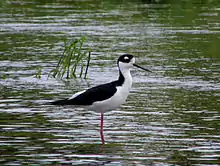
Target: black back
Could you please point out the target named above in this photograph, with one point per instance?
(97, 93)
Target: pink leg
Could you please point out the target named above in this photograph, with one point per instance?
(101, 128)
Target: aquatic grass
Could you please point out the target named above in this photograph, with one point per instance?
(75, 60)
(39, 73)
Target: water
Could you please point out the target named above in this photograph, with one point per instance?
(171, 116)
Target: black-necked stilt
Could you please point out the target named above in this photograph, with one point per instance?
(106, 97)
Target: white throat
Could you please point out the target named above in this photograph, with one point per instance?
(125, 71)
(128, 78)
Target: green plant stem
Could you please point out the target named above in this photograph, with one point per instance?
(87, 65)
(72, 58)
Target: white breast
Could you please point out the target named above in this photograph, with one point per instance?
(117, 99)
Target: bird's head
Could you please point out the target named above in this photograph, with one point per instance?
(127, 61)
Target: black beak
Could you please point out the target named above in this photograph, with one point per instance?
(141, 67)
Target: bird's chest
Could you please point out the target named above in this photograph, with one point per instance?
(122, 93)
(115, 101)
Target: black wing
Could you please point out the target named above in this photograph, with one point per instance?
(97, 93)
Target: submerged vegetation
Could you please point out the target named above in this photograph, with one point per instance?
(39, 73)
(74, 61)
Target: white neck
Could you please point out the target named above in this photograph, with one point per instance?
(127, 79)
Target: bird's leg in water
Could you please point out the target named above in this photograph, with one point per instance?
(101, 128)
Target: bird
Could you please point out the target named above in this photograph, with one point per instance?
(106, 97)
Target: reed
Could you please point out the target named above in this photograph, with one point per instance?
(75, 60)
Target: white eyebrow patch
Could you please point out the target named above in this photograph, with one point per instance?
(125, 58)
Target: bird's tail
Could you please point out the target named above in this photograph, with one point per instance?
(60, 102)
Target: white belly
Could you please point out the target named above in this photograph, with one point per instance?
(112, 103)
(117, 99)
